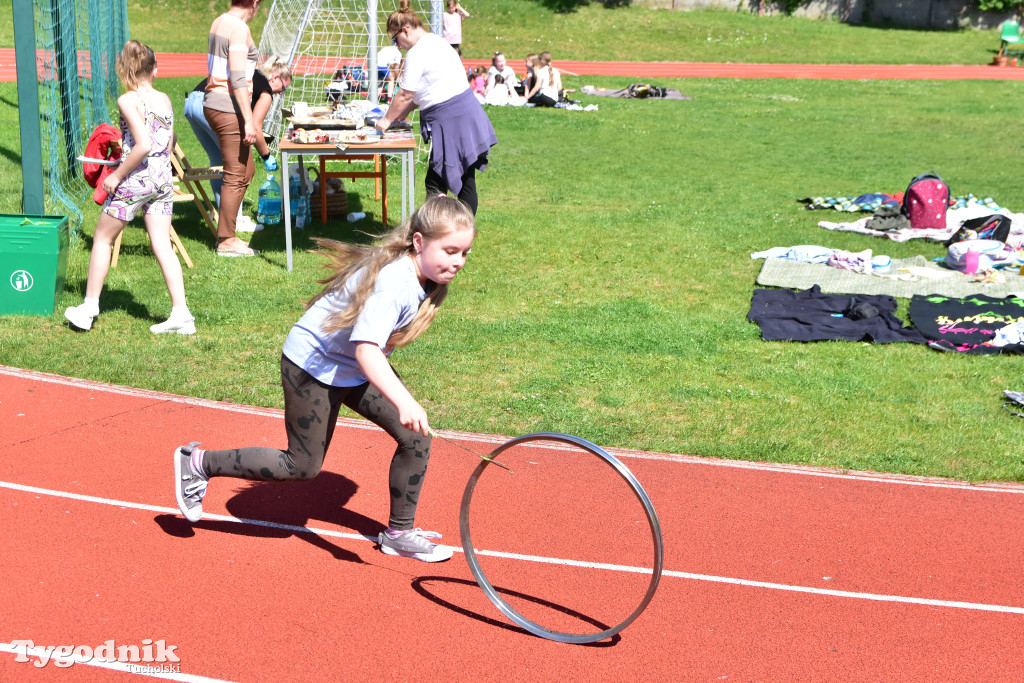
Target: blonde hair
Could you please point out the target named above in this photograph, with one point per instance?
(135, 64)
(402, 17)
(438, 217)
(275, 66)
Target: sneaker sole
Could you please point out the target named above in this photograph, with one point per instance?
(194, 514)
(184, 329)
(388, 550)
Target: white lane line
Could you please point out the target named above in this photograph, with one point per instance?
(138, 669)
(352, 423)
(536, 558)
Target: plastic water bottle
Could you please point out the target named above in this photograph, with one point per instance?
(268, 210)
(293, 193)
(302, 211)
(356, 216)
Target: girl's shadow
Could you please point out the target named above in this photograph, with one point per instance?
(286, 504)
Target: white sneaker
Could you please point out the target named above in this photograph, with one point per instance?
(81, 316)
(179, 324)
(246, 224)
(414, 544)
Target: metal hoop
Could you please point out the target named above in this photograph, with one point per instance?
(492, 594)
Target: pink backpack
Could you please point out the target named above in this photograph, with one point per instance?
(926, 201)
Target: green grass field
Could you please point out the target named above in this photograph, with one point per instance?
(608, 290)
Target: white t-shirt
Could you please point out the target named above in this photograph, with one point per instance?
(507, 73)
(433, 72)
(331, 358)
(389, 55)
(546, 86)
(497, 95)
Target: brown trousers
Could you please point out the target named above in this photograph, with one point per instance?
(239, 167)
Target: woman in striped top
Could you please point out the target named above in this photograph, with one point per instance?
(231, 62)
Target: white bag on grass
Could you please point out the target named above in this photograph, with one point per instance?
(976, 256)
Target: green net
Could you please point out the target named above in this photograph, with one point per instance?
(77, 43)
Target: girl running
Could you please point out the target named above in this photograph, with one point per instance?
(141, 184)
(379, 298)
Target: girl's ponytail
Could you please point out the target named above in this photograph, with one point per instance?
(135, 64)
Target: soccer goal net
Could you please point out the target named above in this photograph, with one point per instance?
(329, 42)
(76, 46)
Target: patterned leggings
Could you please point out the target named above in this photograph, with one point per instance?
(310, 414)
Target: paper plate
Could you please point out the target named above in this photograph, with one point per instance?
(101, 162)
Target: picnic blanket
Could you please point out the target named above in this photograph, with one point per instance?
(669, 93)
(812, 316)
(966, 324)
(865, 202)
(875, 200)
(955, 216)
(906, 278)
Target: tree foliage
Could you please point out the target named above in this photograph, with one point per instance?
(999, 5)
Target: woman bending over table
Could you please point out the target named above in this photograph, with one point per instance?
(450, 114)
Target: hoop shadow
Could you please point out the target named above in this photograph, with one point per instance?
(293, 504)
(418, 586)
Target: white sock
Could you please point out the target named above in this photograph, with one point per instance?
(180, 312)
(91, 305)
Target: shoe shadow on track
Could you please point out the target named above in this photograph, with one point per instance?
(420, 586)
(295, 504)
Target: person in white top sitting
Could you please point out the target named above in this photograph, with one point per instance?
(389, 61)
(500, 94)
(500, 67)
(547, 86)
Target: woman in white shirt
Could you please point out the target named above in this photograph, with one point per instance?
(434, 81)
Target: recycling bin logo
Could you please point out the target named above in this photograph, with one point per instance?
(21, 280)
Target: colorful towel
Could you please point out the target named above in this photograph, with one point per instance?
(865, 202)
(968, 324)
(872, 202)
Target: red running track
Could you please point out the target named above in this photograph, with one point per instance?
(194, 64)
(771, 572)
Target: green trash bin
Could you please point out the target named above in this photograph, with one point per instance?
(33, 262)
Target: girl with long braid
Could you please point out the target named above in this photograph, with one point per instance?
(378, 298)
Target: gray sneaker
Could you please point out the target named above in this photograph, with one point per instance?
(414, 543)
(189, 487)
